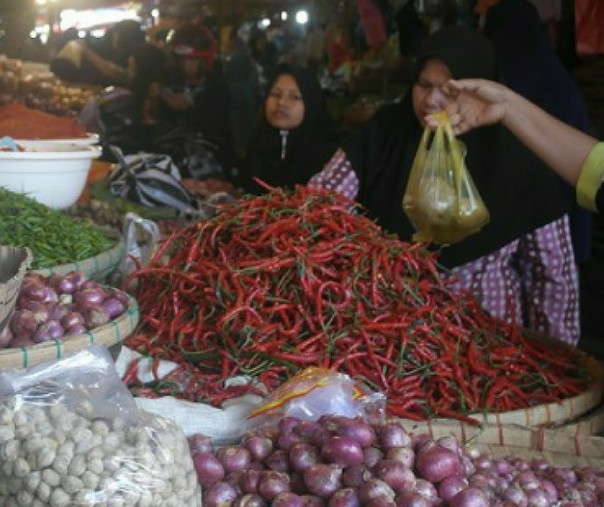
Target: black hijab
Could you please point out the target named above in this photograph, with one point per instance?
(309, 146)
(519, 191)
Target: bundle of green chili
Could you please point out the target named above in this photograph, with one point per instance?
(283, 281)
(53, 237)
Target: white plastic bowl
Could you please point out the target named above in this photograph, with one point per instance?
(52, 173)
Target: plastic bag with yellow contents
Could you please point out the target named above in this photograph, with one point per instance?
(441, 199)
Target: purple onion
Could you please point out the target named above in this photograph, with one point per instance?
(355, 475)
(405, 455)
(23, 323)
(90, 297)
(77, 329)
(395, 474)
(323, 480)
(426, 488)
(287, 500)
(271, 483)
(372, 456)
(343, 451)
(435, 463)
(6, 335)
(312, 501)
(233, 457)
(249, 481)
(71, 319)
(258, 446)
(303, 455)
(412, 499)
(358, 430)
(287, 439)
(450, 486)
(307, 429)
(374, 488)
(113, 307)
(393, 435)
(219, 494)
(278, 461)
(469, 497)
(249, 500)
(208, 467)
(50, 330)
(345, 497)
(62, 284)
(94, 316)
(200, 443)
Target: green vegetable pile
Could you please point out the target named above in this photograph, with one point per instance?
(53, 237)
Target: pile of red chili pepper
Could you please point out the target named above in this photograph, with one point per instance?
(283, 281)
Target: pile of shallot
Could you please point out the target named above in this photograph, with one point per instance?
(56, 307)
(342, 462)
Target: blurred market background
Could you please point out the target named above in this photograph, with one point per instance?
(32, 30)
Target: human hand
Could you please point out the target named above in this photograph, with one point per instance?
(473, 103)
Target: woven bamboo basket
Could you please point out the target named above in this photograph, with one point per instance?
(110, 334)
(557, 447)
(95, 268)
(591, 423)
(14, 263)
(554, 414)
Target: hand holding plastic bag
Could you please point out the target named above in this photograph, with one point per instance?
(441, 199)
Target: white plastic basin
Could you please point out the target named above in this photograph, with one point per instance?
(52, 173)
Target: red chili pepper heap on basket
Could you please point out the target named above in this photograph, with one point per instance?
(283, 281)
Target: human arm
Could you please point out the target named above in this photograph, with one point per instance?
(111, 71)
(574, 155)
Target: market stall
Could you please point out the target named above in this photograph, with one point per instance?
(275, 350)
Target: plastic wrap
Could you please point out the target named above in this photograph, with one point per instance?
(71, 435)
(315, 392)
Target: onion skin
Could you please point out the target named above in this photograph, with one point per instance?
(395, 474)
(403, 454)
(452, 485)
(373, 456)
(271, 483)
(23, 323)
(374, 488)
(393, 435)
(355, 476)
(469, 497)
(277, 461)
(435, 463)
(323, 480)
(287, 500)
(358, 430)
(50, 330)
(250, 500)
(233, 458)
(345, 497)
(412, 499)
(200, 443)
(219, 494)
(208, 467)
(258, 446)
(312, 501)
(303, 455)
(343, 451)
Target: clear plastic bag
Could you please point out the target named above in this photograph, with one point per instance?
(71, 435)
(441, 199)
(315, 392)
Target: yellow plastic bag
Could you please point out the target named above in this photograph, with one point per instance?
(441, 199)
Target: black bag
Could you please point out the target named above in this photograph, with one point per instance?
(151, 180)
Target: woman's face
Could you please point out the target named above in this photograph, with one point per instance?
(284, 106)
(427, 95)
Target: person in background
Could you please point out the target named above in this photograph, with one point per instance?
(104, 63)
(520, 266)
(574, 155)
(296, 135)
(196, 96)
(529, 65)
(241, 76)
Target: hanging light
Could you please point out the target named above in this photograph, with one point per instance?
(302, 17)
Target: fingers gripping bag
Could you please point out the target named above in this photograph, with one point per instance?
(441, 199)
(71, 435)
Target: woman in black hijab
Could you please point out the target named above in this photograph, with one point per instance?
(520, 265)
(296, 136)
